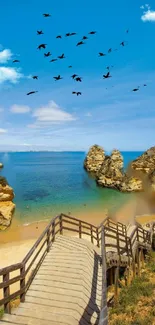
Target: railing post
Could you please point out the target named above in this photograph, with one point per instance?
(22, 283)
(53, 231)
(80, 229)
(61, 229)
(6, 294)
(116, 284)
(48, 240)
(104, 309)
(91, 229)
(97, 235)
(137, 235)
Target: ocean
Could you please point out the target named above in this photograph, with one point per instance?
(48, 183)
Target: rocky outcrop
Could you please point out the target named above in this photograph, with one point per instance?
(1, 165)
(6, 205)
(94, 159)
(110, 172)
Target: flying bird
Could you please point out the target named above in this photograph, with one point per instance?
(72, 34)
(70, 66)
(127, 31)
(58, 77)
(15, 61)
(61, 56)
(110, 50)
(106, 76)
(40, 32)
(41, 46)
(68, 34)
(78, 79)
(91, 33)
(84, 37)
(35, 77)
(145, 85)
(102, 54)
(80, 43)
(76, 93)
(73, 76)
(46, 15)
(47, 54)
(32, 92)
(135, 89)
(53, 60)
(59, 36)
(122, 43)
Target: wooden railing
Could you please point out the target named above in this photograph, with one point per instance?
(22, 274)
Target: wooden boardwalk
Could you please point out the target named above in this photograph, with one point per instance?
(62, 279)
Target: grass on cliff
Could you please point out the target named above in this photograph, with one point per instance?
(136, 304)
(3, 181)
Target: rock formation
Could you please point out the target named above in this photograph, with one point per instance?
(94, 159)
(109, 170)
(6, 205)
(1, 165)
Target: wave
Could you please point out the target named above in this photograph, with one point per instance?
(37, 221)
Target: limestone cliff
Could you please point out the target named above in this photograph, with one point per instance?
(109, 170)
(6, 205)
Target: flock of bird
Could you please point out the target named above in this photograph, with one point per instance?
(62, 56)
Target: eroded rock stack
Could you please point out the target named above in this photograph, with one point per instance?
(94, 159)
(109, 170)
(6, 205)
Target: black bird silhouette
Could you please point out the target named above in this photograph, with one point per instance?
(102, 54)
(127, 31)
(35, 77)
(145, 85)
(58, 77)
(40, 32)
(15, 61)
(73, 76)
(110, 50)
(59, 36)
(84, 37)
(68, 34)
(47, 54)
(41, 46)
(107, 75)
(78, 79)
(70, 66)
(61, 56)
(91, 33)
(72, 34)
(80, 43)
(53, 60)
(32, 92)
(46, 15)
(76, 93)
(135, 89)
(122, 43)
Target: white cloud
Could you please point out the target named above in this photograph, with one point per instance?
(52, 113)
(3, 131)
(88, 114)
(19, 109)
(148, 15)
(9, 74)
(5, 56)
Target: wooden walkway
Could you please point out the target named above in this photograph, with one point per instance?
(66, 282)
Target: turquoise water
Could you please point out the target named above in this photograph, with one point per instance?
(47, 183)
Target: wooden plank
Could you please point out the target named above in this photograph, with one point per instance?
(11, 297)
(26, 320)
(7, 323)
(11, 281)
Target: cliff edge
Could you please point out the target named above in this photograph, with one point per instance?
(7, 207)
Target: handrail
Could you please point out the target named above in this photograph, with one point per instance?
(32, 261)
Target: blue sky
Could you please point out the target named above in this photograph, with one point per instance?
(53, 118)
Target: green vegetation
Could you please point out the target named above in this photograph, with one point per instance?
(1, 312)
(136, 303)
(3, 181)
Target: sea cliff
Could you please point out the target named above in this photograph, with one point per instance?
(109, 172)
(7, 206)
